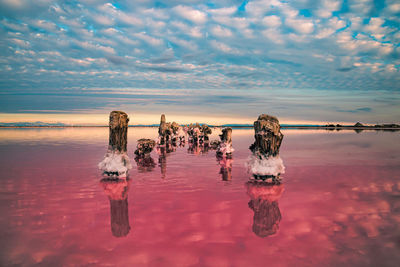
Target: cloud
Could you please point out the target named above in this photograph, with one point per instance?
(219, 31)
(357, 110)
(191, 14)
(303, 26)
(274, 36)
(225, 11)
(90, 46)
(329, 45)
(149, 39)
(224, 47)
(327, 7)
(258, 8)
(272, 21)
(360, 6)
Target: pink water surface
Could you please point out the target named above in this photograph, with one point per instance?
(338, 205)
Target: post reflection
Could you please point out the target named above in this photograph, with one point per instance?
(197, 149)
(117, 192)
(264, 202)
(163, 152)
(225, 164)
(145, 163)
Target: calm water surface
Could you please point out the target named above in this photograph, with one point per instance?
(338, 205)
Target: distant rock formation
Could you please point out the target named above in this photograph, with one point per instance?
(116, 161)
(358, 124)
(225, 146)
(264, 202)
(265, 162)
(117, 192)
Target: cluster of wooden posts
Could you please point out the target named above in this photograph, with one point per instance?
(264, 164)
(265, 149)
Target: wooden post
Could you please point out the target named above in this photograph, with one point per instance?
(265, 162)
(226, 135)
(268, 137)
(225, 146)
(116, 161)
(118, 131)
(162, 131)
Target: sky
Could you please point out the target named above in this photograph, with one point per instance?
(223, 61)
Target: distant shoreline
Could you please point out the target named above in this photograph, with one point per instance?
(329, 128)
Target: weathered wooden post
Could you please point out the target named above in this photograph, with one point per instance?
(265, 162)
(116, 161)
(117, 192)
(225, 146)
(144, 147)
(143, 158)
(162, 131)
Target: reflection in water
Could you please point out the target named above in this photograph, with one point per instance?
(226, 167)
(346, 219)
(162, 152)
(264, 202)
(117, 192)
(145, 163)
(197, 149)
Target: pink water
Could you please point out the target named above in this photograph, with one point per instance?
(339, 204)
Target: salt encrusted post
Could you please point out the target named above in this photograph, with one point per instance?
(225, 147)
(116, 161)
(162, 131)
(265, 162)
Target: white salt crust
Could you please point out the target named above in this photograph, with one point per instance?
(116, 162)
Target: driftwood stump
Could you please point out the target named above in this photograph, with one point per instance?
(225, 146)
(118, 127)
(116, 161)
(144, 146)
(265, 162)
(268, 137)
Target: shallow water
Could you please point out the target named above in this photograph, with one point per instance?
(339, 203)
